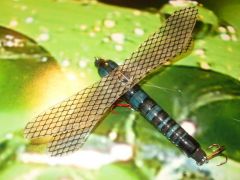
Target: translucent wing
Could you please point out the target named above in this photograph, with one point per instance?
(70, 122)
(169, 41)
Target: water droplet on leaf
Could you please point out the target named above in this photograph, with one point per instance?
(139, 31)
(109, 23)
(118, 38)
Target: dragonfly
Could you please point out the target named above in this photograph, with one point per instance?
(70, 122)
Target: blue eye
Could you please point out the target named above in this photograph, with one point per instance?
(102, 71)
(105, 68)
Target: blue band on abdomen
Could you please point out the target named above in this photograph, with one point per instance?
(163, 123)
(153, 112)
(172, 130)
(137, 99)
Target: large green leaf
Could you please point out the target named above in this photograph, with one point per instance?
(29, 76)
(74, 32)
(210, 100)
(228, 11)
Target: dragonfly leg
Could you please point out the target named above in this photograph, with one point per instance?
(119, 104)
(217, 152)
(123, 105)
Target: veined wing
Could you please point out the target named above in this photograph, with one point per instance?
(168, 42)
(70, 122)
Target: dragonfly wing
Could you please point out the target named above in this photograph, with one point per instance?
(76, 116)
(69, 141)
(168, 42)
(70, 122)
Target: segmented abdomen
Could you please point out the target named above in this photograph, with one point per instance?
(141, 102)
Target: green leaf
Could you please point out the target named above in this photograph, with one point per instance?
(208, 99)
(119, 171)
(227, 11)
(29, 75)
(205, 15)
(11, 145)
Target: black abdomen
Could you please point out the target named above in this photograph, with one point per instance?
(141, 102)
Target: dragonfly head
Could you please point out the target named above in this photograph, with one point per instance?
(105, 66)
(99, 62)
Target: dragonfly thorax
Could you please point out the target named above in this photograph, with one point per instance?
(105, 67)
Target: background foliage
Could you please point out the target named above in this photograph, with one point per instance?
(60, 40)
